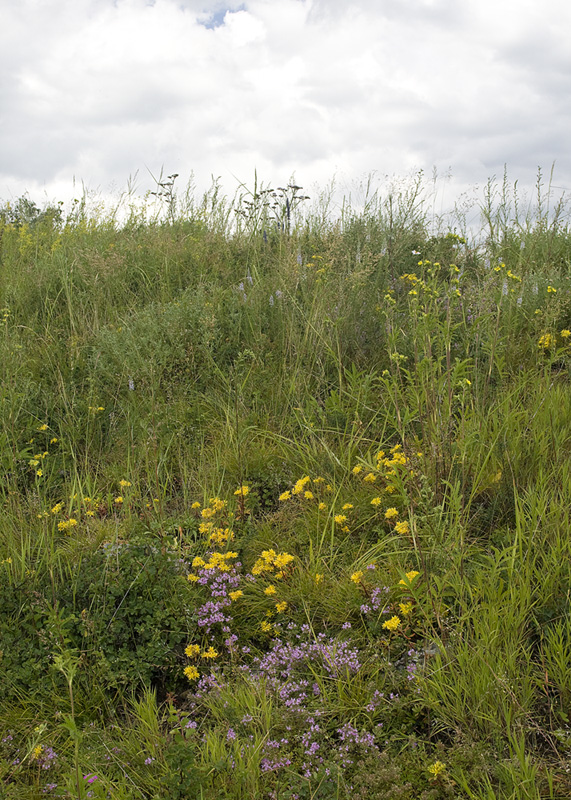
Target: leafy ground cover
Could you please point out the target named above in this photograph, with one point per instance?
(284, 500)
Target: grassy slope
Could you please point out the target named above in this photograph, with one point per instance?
(150, 370)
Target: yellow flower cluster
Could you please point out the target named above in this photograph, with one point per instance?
(215, 505)
(217, 561)
(410, 576)
(392, 624)
(546, 341)
(270, 561)
(67, 524)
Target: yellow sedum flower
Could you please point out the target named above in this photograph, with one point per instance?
(356, 576)
(192, 650)
(405, 608)
(376, 501)
(391, 513)
(269, 590)
(281, 607)
(235, 595)
(402, 527)
(356, 470)
(210, 653)
(565, 334)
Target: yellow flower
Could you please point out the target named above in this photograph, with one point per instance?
(550, 289)
(376, 501)
(191, 673)
(192, 578)
(210, 653)
(192, 650)
(436, 769)
(392, 623)
(565, 334)
(118, 500)
(370, 477)
(43, 427)
(356, 470)
(390, 513)
(285, 496)
(402, 527)
(195, 505)
(318, 577)
(53, 441)
(356, 576)
(198, 562)
(322, 507)
(39, 473)
(347, 506)
(124, 484)
(266, 626)
(405, 608)
(38, 750)
(235, 595)
(308, 495)
(243, 490)
(340, 519)
(271, 589)
(281, 607)
(410, 576)
(545, 341)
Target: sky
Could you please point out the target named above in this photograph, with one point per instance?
(103, 94)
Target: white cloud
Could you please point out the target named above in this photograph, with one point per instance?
(98, 89)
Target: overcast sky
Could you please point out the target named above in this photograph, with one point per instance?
(99, 90)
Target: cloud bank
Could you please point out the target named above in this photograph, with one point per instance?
(98, 90)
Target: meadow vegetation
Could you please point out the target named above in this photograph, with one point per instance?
(284, 498)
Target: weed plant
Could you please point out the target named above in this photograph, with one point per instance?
(284, 498)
